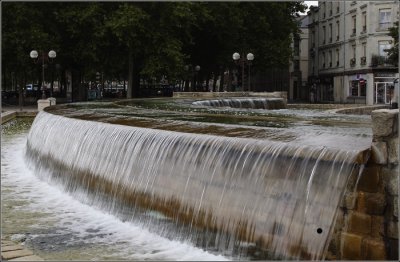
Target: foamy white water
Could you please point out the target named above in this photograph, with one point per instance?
(59, 227)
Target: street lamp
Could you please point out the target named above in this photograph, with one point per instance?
(242, 61)
(34, 55)
(193, 72)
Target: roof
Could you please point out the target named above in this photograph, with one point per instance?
(303, 21)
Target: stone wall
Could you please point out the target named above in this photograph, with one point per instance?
(10, 115)
(367, 222)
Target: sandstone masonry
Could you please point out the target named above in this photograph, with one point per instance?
(367, 224)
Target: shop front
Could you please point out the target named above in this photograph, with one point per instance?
(357, 92)
(384, 87)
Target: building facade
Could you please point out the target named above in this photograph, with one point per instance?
(348, 61)
(298, 85)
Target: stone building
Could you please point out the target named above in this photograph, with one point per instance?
(298, 88)
(348, 61)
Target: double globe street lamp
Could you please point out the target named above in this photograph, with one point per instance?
(243, 61)
(193, 71)
(49, 58)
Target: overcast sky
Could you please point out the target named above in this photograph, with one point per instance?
(315, 3)
(309, 3)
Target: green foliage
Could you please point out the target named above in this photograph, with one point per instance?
(393, 52)
(162, 37)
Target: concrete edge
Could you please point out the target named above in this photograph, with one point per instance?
(10, 115)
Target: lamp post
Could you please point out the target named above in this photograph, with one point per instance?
(243, 61)
(193, 73)
(49, 58)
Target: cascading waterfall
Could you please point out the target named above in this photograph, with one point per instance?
(224, 193)
(254, 103)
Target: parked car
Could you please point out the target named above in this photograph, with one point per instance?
(32, 87)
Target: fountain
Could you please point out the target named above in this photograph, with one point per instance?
(267, 189)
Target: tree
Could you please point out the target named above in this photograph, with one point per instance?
(394, 51)
(153, 35)
(22, 31)
(145, 40)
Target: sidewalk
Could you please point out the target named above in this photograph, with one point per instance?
(11, 251)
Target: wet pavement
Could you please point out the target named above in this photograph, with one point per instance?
(11, 251)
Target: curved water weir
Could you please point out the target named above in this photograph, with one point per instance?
(255, 103)
(259, 197)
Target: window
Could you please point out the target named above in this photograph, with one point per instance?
(384, 19)
(330, 33)
(296, 65)
(323, 34)
(364, 21)
(330, 58)
(337, 57)
(313, 39)
(384, 45)
(363, 59)
(354, 88)
(323, 59)
(296, 46)
(338, 7)
(353, 60)
(337, 30)
(358, 87)
(364, 49)
(362, 83)
(330, 8)
(354, 24)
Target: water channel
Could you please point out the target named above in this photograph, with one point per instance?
(62, 221)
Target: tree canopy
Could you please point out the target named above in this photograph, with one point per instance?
(146, 40)
(394, 51)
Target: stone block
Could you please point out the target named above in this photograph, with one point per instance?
(378, 227)
(16, 253)
(28, 258)
(374, 249)
(339, 220)
(393, 230)
(361, 204)
(350, 246)
(391, 179)
(370, 179)
(11, 248)
(42, 104)
(333, 244)
(393, 150)
(52, 101)
(359, 223)
(393, 249)
(379, 153)
(375, 203)
(349, 200)
(7, 116)
(393, 186)
(353, 180)
(7, 243)
(384, 123)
